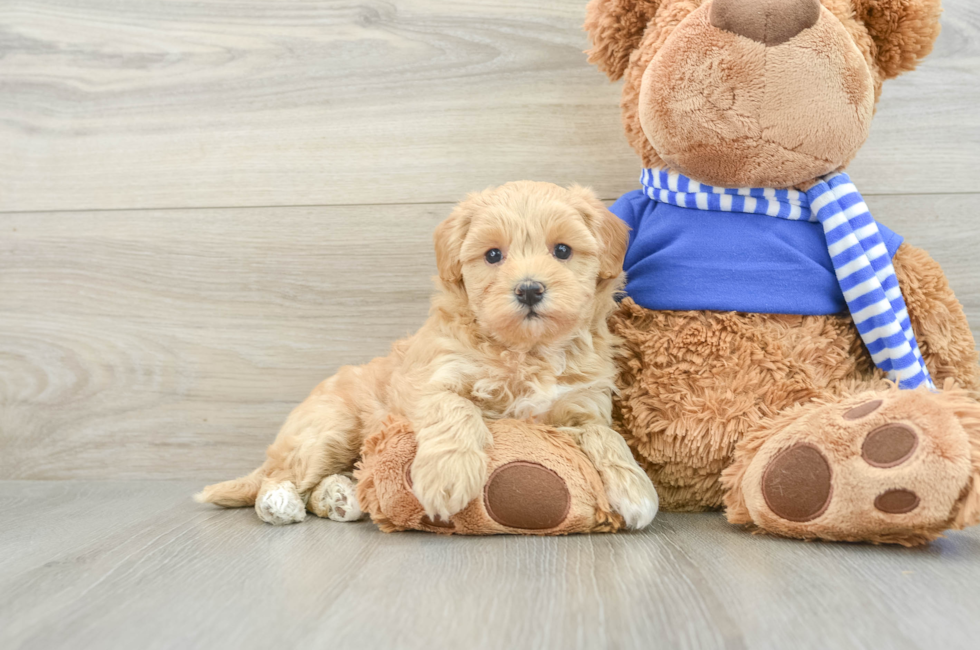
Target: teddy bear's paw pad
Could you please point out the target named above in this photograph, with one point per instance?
(796, 484)
(861, 410)
(897, 502)
(336, 498)
(885, 466)
(889, 445)
(281, 505)
(527, 496)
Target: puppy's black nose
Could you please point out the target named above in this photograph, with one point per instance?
(529, 292)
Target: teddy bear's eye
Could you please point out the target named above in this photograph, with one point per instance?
(493, 256)
(563, 251)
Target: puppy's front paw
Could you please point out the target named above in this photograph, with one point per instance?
(446, 482)
(631, 494)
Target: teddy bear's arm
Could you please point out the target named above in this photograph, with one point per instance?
(937, 318)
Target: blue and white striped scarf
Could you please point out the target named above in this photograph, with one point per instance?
(861, 260)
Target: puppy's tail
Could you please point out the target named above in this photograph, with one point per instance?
(235, 493)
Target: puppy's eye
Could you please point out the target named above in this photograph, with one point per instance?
(493, 255)
(563, 251)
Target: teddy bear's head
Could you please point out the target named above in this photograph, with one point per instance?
(755, 93)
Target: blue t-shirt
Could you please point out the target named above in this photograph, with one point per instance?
(685, 258)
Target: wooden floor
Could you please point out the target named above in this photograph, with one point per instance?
(139, 565)
(207, 206)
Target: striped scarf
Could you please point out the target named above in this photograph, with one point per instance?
(861, 260)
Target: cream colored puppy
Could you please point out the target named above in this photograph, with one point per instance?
(517, 329)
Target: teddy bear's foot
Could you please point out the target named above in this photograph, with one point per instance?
(539, 482)
(335, 498)
(889, 466)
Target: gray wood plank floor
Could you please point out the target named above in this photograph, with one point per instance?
(138, 565)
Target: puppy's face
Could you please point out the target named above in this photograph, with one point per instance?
(532, 259)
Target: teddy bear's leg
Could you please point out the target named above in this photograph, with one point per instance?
(335, 498)
(540, 482)
(886, 466)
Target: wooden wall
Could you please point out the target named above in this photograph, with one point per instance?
(208, 206)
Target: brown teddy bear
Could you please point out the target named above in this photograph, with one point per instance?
(787, 358)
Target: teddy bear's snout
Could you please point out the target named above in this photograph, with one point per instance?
(783, 94)
(769, 22)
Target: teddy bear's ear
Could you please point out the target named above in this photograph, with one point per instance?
(903, 31)
(615, 28)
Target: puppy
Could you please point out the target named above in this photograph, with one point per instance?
(517, 329)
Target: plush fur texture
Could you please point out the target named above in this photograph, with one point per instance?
(384, 490)
(701, 390)
(710, 400)
(481, 356)
(728, 110)
(693, 384)
(942, 472)
(736, 133)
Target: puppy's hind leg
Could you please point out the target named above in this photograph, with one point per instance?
(336, 498)
(280, 503)
(320, 438)
(276, 501)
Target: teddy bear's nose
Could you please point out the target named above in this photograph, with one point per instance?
(769, 22)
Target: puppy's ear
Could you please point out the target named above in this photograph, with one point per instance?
(903, 31)
(615, 28)
(448, 240)
(611, 232)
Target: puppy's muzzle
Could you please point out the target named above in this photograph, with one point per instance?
(529, 292)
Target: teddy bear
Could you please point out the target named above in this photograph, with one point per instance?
(787, 358)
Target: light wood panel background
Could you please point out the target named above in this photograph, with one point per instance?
(194, 103)
(206, 207)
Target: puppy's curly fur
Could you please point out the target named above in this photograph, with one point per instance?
(481, 355)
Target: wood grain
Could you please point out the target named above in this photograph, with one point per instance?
(174, 103)
(138, 565)
(172, 344)
(132, 342)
